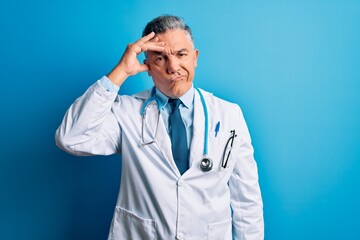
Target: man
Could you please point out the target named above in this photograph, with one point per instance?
(188, 170)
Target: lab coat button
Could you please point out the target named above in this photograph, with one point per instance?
(179, 236)
(180, 183)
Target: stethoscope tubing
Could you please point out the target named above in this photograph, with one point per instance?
(206, 131)
(206, 115)
(206, 163)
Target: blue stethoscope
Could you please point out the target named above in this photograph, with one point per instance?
(206, 164)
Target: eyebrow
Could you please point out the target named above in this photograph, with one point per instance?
(178, 51)
(182, 50)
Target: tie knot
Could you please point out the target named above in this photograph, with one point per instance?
(175, 103)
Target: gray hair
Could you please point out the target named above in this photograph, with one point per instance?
(165, 22)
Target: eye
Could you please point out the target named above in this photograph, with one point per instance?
(159, 58)
(182, 54)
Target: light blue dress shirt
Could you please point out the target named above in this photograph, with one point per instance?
(186, 108)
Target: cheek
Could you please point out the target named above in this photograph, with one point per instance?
(156, 70)
(190, 67)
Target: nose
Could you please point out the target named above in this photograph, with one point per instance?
(172, 65)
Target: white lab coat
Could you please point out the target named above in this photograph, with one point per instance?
(155, 201)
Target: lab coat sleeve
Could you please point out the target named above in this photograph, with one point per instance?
(246, 200)
(89, 126)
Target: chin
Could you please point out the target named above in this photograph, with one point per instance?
(178, 93)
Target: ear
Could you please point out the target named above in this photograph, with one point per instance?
(147, 63)
(196, 54)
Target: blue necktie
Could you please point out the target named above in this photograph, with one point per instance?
(178, 137)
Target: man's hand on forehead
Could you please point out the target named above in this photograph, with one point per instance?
(129, 65)
(148, 43)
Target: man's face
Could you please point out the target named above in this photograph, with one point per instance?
(173, 70)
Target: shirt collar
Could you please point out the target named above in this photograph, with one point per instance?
(187, 99)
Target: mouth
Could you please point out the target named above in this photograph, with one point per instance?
(177, 78)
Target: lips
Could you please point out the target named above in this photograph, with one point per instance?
(177, 78)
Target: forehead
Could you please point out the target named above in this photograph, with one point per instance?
(176, 39)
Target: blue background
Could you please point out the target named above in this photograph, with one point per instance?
(293, 66)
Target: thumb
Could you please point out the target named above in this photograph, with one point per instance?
(143, 68)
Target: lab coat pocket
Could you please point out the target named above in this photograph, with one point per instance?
(219, 146)
(127, 225)
(220, 230)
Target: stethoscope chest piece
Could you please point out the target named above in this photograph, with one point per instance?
(206, 164)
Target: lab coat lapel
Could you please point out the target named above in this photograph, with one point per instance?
(162, 139)
(164, 144)
(197, 143)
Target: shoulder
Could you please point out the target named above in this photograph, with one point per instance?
(143, 94)
(137, 97)
(130, 103)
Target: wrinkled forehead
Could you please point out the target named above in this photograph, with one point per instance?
(176, 38)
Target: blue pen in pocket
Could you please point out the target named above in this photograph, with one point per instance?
(217, 128)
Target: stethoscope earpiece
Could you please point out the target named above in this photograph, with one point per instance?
(206, 164)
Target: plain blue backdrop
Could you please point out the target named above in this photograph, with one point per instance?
(293, 66)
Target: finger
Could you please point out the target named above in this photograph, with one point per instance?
(154, 39)
(143, 68)
(148, 42)
(154, 48)
(138, 48)
(150, 45)
(142, 44)
(146, 38)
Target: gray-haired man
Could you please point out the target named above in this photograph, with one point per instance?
(188, 170)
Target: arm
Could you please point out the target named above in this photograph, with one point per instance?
(89, 126)
(246, 201)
